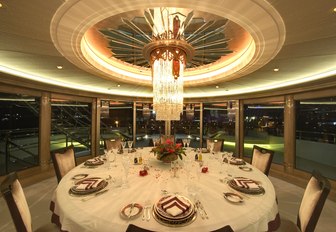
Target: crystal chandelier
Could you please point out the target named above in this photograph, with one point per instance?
(167, 54)
(168, 40)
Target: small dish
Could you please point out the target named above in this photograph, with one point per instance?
(131, 211)
(245, 168)
(233, 198)
(79, 176)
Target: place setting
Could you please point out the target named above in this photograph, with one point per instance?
(246, 185)
(174, 210)
(90, 186)
(94, 162)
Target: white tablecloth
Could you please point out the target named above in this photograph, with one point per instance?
(102, 213)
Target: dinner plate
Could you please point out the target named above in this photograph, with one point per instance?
(233, 197)
(259, 190)
(235, 161)
(131, 211)
(162, 213)
(90, 163)
(79, 176)
(74, 191)
(245, 168)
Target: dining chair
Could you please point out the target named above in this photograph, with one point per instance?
(13, 194)
(64, 160)
(163, 138)
(112, 144)
(134, 228)
(218, 144)
(262, 159)
(226, 228)
(314, 197)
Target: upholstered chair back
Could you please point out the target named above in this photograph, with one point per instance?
(312, 202)
(217, 144)
(112, 144)
(63, 161)
(16, 201)
(262, 158)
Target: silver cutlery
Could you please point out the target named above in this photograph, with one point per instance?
(201, 209)
(130, 212)
(94, 195)
(149, 211)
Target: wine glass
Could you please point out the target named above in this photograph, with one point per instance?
(112, 158)
(129, 144)
(126, 165)
(184, 142)
(188, 142)
(123, 144)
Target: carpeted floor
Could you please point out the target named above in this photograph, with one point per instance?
(39, 195)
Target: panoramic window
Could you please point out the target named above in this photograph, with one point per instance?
(219, 123)
(264, 126)
(19, 132)
(147, 127)
(71, 125)
(316, 135)
(189, 125)
(116, 121)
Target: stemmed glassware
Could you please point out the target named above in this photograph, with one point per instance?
(129, 144)
(184, 142)
(123, 144)
(188, 142)
(126, 165)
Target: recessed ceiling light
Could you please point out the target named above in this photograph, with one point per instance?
(59, 67)
(1, 5)
(335, 9)
(276, 69)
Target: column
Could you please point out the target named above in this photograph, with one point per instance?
(44, 131)
(289, 134)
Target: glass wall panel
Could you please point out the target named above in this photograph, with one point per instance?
(19, 132)
(71, 125)
(188, 126)
(116, 121)
(316, 135)
(263, 126)
(219, 123)
(147, 128)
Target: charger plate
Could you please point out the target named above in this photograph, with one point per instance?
(254, 191)
(74, 191)
(126, 213)
(166, 219)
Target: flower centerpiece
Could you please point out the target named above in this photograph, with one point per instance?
(168, 151)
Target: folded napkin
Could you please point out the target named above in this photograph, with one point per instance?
(95, 161)
(175, 205)
(89, 183)
(246, 183)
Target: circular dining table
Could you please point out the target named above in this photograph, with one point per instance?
(103, 212)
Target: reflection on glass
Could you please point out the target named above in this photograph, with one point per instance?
(263, 126)
(219, 123)
(19, 132)
(71, 125)
(316, 135)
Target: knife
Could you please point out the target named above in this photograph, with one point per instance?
(96, 194)
(130, 212)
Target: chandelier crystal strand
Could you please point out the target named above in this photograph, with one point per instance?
(168, 64)
(167, 91)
